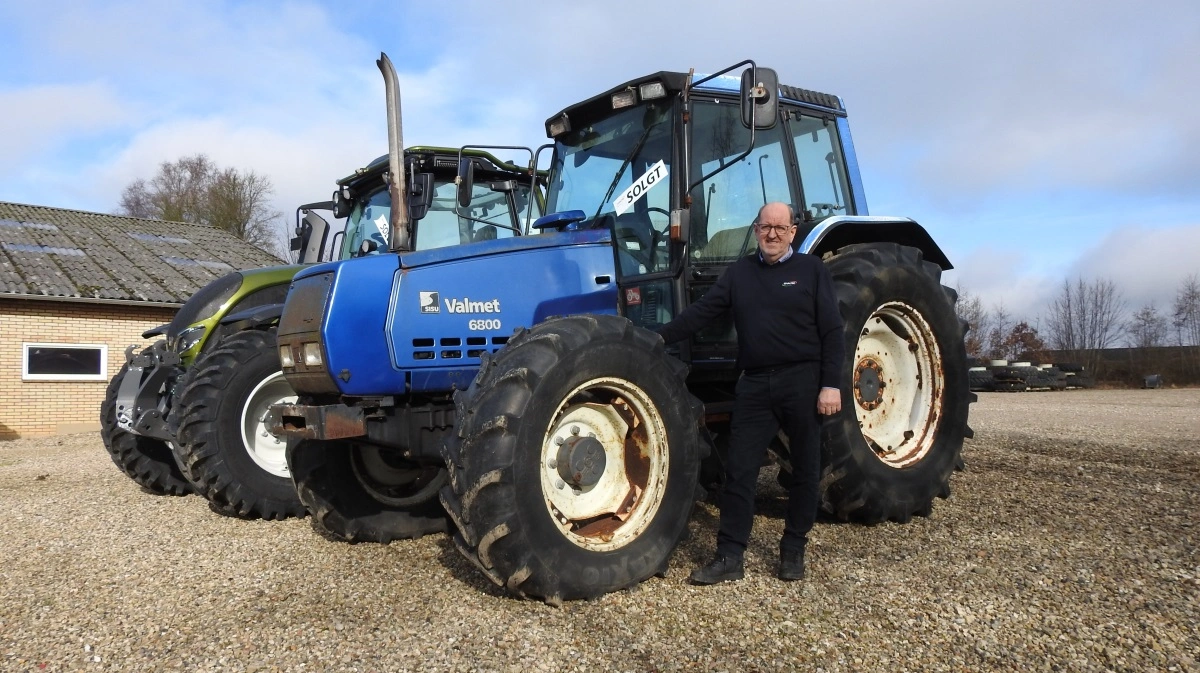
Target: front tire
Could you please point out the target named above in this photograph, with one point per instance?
(222, 438)
(149, 462)
(361, 493)
(899, 437)
(574, 464)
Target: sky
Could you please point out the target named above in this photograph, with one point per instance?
(1037, 141)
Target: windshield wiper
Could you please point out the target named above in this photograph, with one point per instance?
(637, 147)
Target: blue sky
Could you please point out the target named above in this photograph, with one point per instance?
(1035, 140)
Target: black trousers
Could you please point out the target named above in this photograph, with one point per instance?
(784, 398)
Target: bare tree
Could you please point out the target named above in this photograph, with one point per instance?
(1186, 312)
(237, 203)
(1000, 326)
(176, 193)
(1186, 320)
(1086, 318)
(194, 189)
(970, 309)
(1147, 328)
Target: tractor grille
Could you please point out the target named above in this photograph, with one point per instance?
(455, 348)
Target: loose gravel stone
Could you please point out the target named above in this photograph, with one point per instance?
(1069, 543)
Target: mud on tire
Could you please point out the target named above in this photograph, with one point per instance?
(574, 465)
(899, 436)
(149, 462)
(221, 438)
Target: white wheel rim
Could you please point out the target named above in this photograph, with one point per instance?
(898, 384)
(611, 501)
(265, 449)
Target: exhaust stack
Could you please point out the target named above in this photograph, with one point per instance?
(398, 234)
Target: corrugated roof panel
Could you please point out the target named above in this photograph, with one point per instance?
(10, 280)
(112, 262)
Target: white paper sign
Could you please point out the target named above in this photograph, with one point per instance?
(649, 180)
(383, 225)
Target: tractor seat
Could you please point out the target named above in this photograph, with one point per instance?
(729, 244)
(632, 232)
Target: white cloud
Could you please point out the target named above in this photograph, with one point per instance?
(40, 119)
(1146, 264)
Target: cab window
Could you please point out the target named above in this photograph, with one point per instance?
(822, 170)
(725, 205)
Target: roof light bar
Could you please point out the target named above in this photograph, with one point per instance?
(652, 90)
(558, 126)
(622, 99)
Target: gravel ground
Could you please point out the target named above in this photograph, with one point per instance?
(1069, 543)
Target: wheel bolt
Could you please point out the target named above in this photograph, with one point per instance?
(552, 464)
(560, 484)
(574, 429)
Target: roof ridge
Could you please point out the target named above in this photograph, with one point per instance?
(93, 213)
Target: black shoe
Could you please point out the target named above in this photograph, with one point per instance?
(721, 569)
(791, 565)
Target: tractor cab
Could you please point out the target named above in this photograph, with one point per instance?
(676, 167)
(496, 206)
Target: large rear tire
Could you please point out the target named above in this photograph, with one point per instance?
(574, 465)
(899, 437)
(149, 462)
(361, 493)
(222, 438)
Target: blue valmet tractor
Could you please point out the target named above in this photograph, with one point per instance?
(513, 385)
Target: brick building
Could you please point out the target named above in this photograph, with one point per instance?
(76, 288)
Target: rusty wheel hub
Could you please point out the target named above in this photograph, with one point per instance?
(868, 383)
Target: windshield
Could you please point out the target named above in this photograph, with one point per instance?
(488, 217)
(617, 171)
(441, 226)
(369, 221)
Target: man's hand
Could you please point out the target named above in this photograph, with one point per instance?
(829, 402)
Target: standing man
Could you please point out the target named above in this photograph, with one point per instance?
(790, 353)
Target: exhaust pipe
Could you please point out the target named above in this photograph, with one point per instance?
(398, 235)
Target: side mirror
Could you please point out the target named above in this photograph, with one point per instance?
(465, 181)
(760, 98)
(311, 230)
(420, 195)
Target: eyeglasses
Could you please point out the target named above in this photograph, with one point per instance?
(777, 229)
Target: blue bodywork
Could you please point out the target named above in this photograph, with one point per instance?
(448, 305)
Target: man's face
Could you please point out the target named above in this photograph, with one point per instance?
(775, 232)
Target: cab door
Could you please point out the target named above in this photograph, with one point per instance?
(724, 207)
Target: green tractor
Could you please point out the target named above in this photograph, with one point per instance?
(185, 414)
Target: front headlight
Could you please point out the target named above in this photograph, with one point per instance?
(312, 354)
(190, 337)
(285, 357)
(202, 305)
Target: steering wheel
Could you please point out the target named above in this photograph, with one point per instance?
(656, 236)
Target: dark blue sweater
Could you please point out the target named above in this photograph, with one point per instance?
(785, 313)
